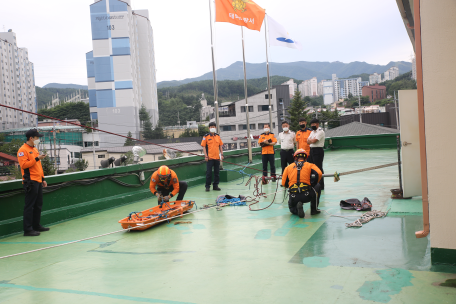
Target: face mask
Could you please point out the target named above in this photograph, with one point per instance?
(302, 126)
(36, 142)
(285, 129)
(266, 130)
(314, 128)
(212, 130)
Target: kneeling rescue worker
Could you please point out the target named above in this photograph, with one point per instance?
(302, 180)
(164, 184)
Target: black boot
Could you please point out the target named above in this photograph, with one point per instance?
(314, 207)
(300, 207)
(31, 233)
(216, 188)
(41, 228)
(208, 189)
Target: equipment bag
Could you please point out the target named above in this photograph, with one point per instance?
(355, 204)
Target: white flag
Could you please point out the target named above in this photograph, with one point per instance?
(278, 35)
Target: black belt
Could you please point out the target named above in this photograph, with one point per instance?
(287, 149)
(316, 147)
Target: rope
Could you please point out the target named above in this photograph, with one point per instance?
(107, 132)
(368, 169)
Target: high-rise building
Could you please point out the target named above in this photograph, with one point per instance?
(328, 92)
(391, 73)
(292, 86)
(344, 87)
(309, 87)
(17, 84)
(121, 69)
(375, 78)
(320, 88)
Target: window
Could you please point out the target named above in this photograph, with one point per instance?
(101, 156)
(244, 127)
(243, 109)
(281, 101)
(77, 154)
(265, 108)
(229, 128)
(266, 96)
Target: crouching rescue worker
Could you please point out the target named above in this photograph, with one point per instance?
(302, 180)
(165, 184)
(33, 182)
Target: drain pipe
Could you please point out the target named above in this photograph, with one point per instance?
(421, 122)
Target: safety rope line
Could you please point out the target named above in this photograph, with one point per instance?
(370, 168)
(149, 143)
(122, 230)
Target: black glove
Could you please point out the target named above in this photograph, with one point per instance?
(269, 140)
(263, 144)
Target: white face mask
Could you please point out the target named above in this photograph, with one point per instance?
(212, 130)
(36, 142)
(285, 129)
(266, 130)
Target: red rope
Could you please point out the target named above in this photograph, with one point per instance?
(87, 127)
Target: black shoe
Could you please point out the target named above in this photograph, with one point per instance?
(31, 233)
(41, 228)
(216, 188)
(300, 208)
(315, 212)
(208, 189)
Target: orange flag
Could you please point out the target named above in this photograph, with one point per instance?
(240, 12)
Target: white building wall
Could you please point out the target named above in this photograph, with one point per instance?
(17, 84)
(292, 85)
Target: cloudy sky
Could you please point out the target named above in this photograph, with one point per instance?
(57, 34)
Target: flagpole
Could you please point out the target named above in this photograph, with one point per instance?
(213, 73)
(269, 82)
(249, 141)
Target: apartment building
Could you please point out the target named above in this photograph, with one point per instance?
(17, 84)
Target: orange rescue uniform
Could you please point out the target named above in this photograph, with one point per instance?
(30, 163)
(265, 138)
(172, 182)
(291, 172)
(212, 142)
(301, 139)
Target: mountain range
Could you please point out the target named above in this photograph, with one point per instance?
(301, 70)
(65, 86)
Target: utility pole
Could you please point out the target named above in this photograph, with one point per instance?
(55, 152)
(359, 106)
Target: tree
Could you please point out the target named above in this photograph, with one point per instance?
(71, 110)
(202, 130)
(129, 141)
(365, 100)
(189, 133)
(148, 133)
(12, 147)
(297, 110)
(350, 95)
(47, 164)
(143, 114)
(81, 164)
(15, 172)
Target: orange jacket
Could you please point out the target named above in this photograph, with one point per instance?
(212, 142)
(265, 137)
(30, 163)
(172, 182)
(301, 139)
(291, 174)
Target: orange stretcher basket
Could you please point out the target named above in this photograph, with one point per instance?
(153, 216)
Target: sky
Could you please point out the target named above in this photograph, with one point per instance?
(57, 34)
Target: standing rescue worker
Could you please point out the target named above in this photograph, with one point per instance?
(33, 183)
(302, 135)
(213, 152)
(165, 184)
(301, 179)
(316, 141)
(267, 141)
(287, 141)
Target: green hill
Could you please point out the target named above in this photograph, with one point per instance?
(44, 95)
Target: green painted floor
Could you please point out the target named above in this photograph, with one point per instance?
(236, 255)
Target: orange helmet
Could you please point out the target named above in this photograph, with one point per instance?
(300, 153)
(164, 173)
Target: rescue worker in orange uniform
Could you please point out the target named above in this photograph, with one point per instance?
(301, 179)
(303, 134)
(165, 184)
(267, 141)
(213, 152)
(33, 183)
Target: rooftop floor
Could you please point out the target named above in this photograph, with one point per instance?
(239, 256)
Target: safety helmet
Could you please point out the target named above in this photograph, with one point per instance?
(164, 173)
(300, 153)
